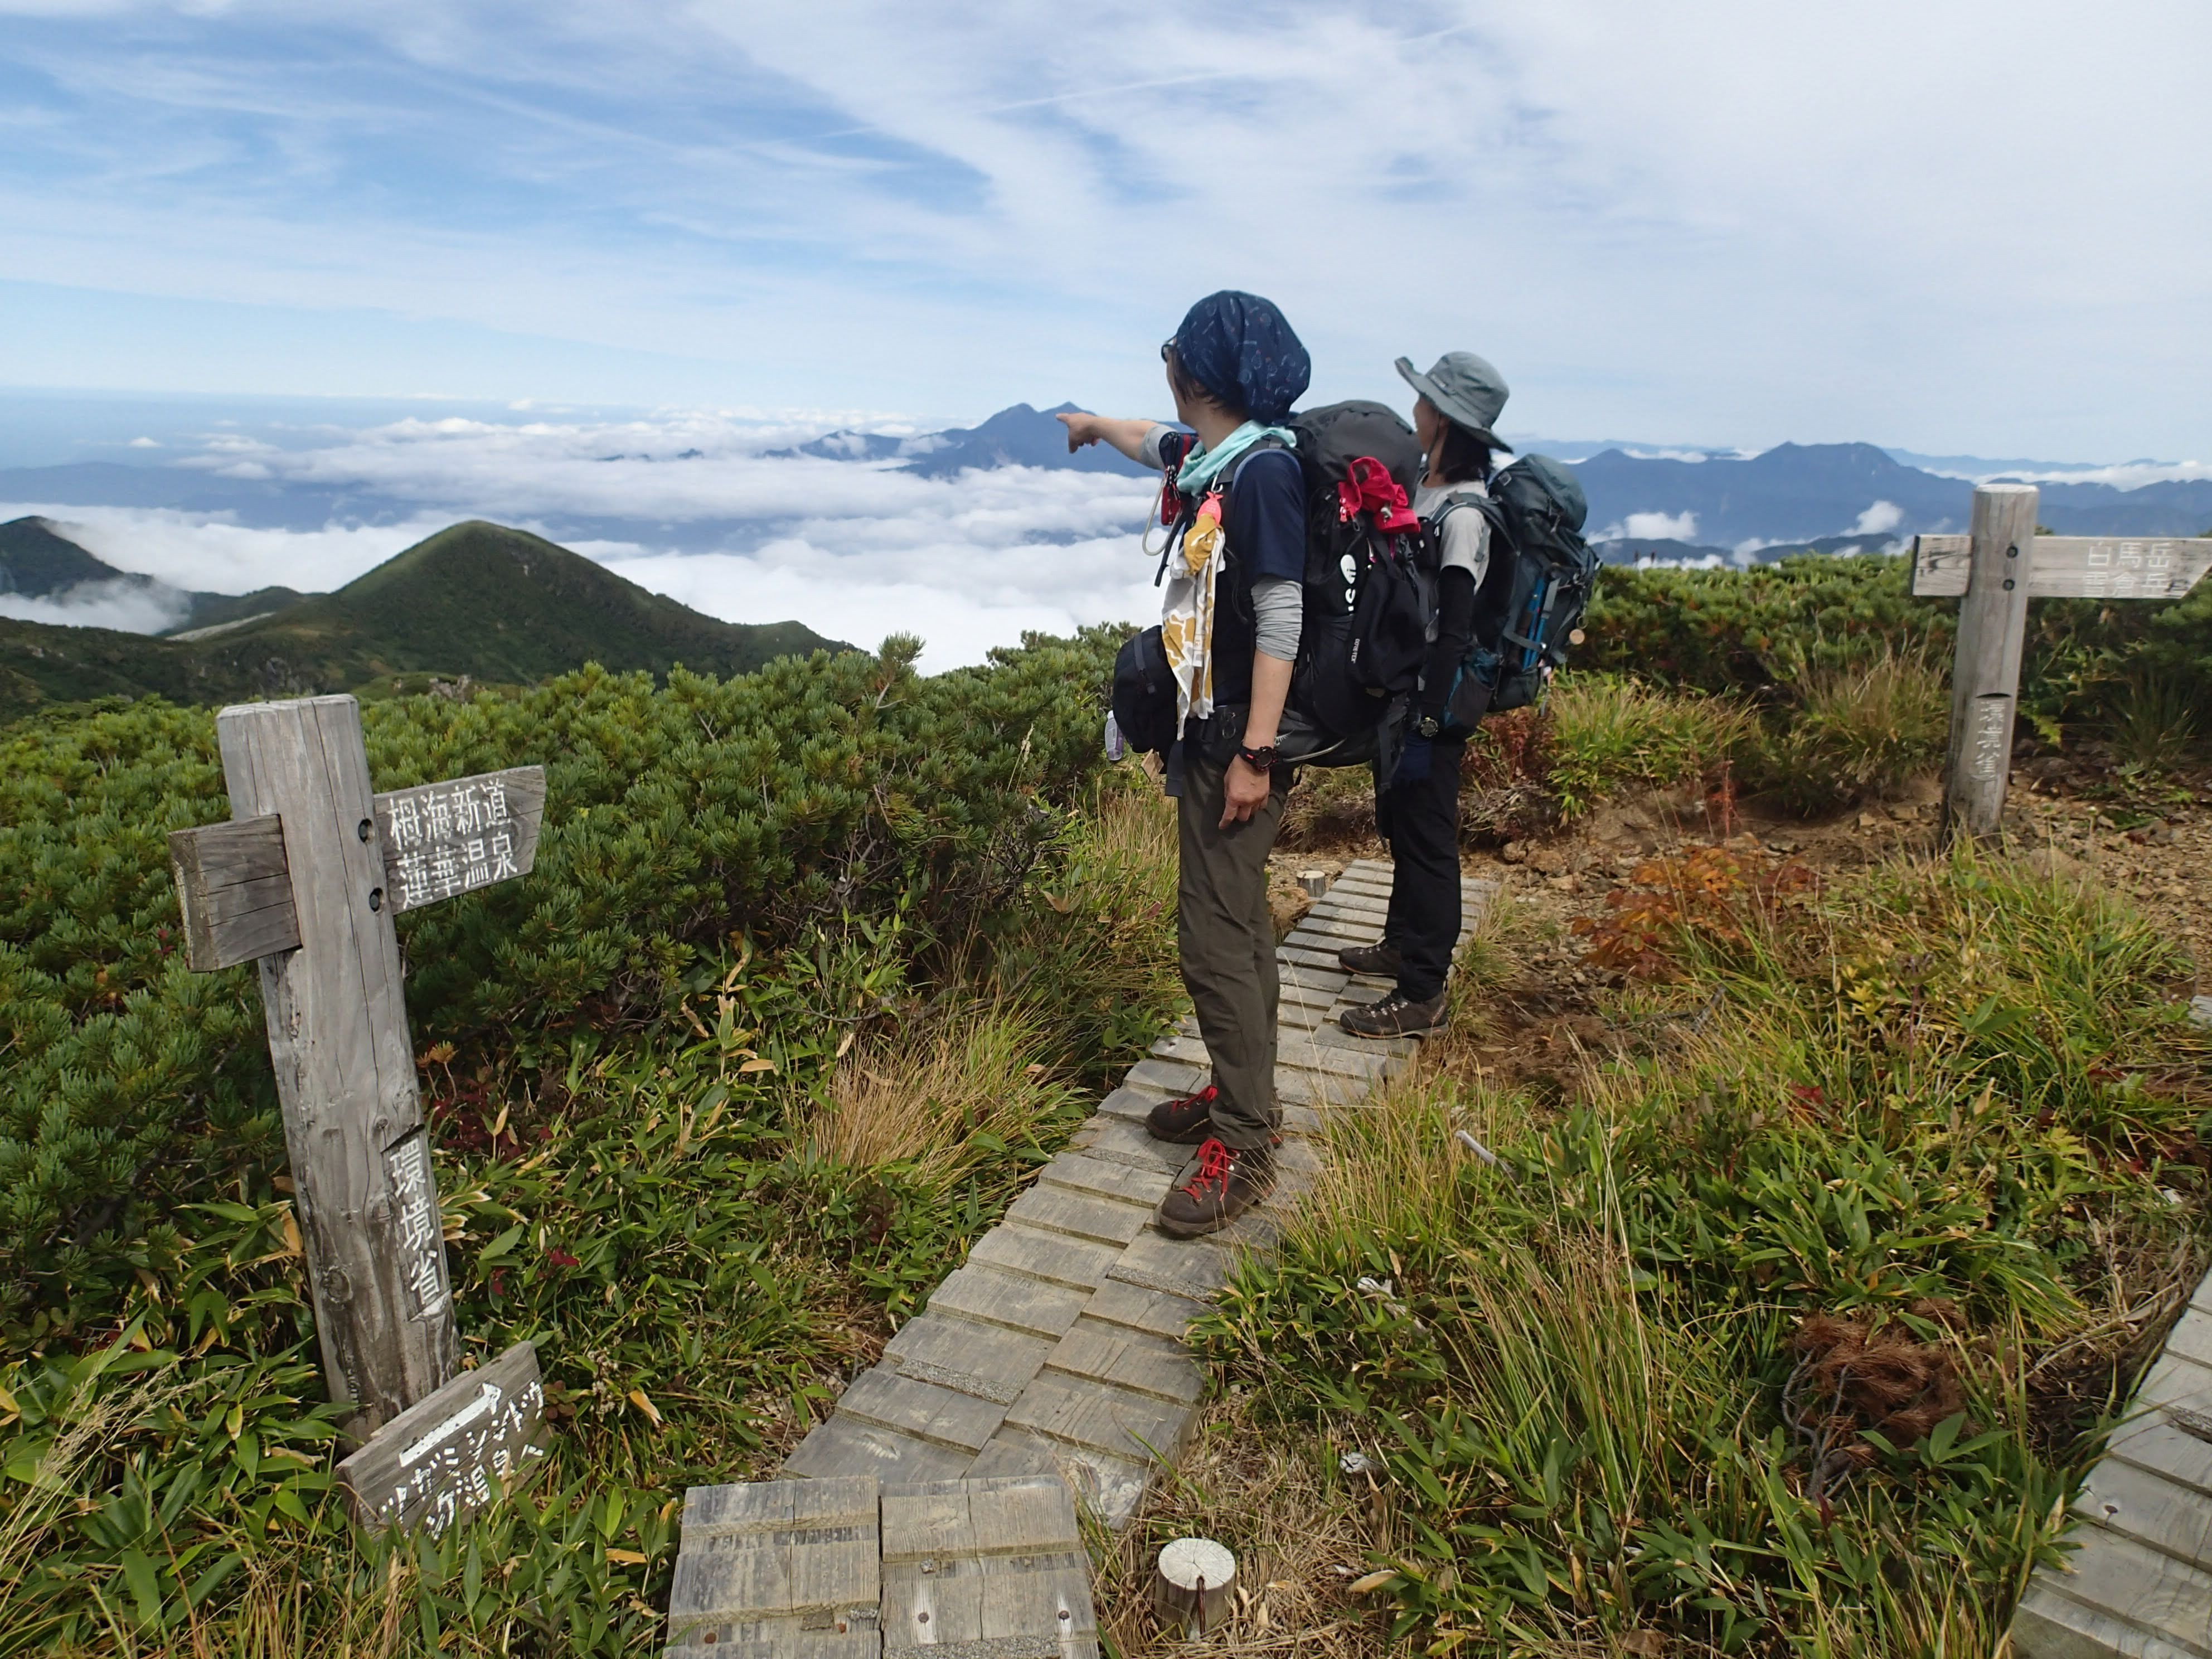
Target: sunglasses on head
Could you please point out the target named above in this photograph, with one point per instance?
(1167, 351)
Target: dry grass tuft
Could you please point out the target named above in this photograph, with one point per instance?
(1133, 825)
(923, 1095)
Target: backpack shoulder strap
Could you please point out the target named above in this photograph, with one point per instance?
(1229, 473)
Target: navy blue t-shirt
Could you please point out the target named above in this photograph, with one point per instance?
(1266, 525)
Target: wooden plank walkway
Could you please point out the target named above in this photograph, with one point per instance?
(849, 1568)
(2140, 1584)
(1057, 1347)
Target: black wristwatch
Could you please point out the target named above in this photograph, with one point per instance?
(1259, 760)
(1428, 726)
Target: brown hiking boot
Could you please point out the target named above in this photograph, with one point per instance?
(1188, 1120)
(1382, 961)
(1185, 1120)
(1395, 1015)
(1223, 1181)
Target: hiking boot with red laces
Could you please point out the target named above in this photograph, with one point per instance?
(1382, 961)
(1189, 1119)
(1222, 1184)
(1395, 1015)
(1186, 1122)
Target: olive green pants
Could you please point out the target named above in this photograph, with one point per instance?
(1225, 936)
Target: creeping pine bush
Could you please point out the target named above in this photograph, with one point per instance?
(833, 784)
(1762, 628)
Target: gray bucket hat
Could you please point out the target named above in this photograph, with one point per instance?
(1468, 389)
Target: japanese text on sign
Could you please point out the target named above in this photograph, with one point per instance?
(422, 1242)
(450, 838)
(478, 1437)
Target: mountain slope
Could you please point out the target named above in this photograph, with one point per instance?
(36, 560)
(479, 599)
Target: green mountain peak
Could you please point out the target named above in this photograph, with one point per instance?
(497, 604)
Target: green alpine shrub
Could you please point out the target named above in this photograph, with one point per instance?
(819, 787)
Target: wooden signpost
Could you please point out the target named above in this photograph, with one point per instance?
(305, 880)
(1996, 568)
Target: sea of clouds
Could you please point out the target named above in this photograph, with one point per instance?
(696, 506)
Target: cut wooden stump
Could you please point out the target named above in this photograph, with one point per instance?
(1192, 1586)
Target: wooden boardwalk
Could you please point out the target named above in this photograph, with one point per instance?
(1058, 1347)
(848, 1568)
(2141, 1583)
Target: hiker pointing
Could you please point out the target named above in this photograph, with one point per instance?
(1417, 806)
(1234, 503)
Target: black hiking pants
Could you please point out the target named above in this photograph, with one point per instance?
(1225, 936)
(1420, 821)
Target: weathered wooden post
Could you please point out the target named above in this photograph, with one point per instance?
(307, 879)
(1998, 567)
(1986, 672)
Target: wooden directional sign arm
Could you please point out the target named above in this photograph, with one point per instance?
(235, 890)
(442, 840)
(2074, 567)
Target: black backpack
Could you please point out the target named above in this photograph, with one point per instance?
(1370, 575)
(1538, 582)
(1144, 702)
(1369, 595)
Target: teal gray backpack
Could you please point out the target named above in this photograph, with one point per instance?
(1529, 607)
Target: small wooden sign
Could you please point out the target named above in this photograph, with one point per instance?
(445, 839)
(452, 1453)
(2074, 567)
(437, 842)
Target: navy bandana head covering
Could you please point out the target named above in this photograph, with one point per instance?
(1238, 347)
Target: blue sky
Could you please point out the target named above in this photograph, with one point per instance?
(1946, 225)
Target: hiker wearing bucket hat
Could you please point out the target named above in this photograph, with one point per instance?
(1416, 807)
(1235, 501)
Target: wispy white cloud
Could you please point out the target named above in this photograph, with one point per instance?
(1879, 519)
(1652, 527)
(1682, 219)
(129, 607)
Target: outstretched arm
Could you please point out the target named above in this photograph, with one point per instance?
(1128, 436)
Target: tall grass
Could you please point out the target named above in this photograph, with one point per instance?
(2153, 721)
(1944, 1103)
(1856, 730)
(1609, 731)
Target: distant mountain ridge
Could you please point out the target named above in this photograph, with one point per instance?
(1016, 436)
(479, 599)
(1791, 494)
(1801, 492)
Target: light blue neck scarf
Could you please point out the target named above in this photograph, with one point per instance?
(1202, 465)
